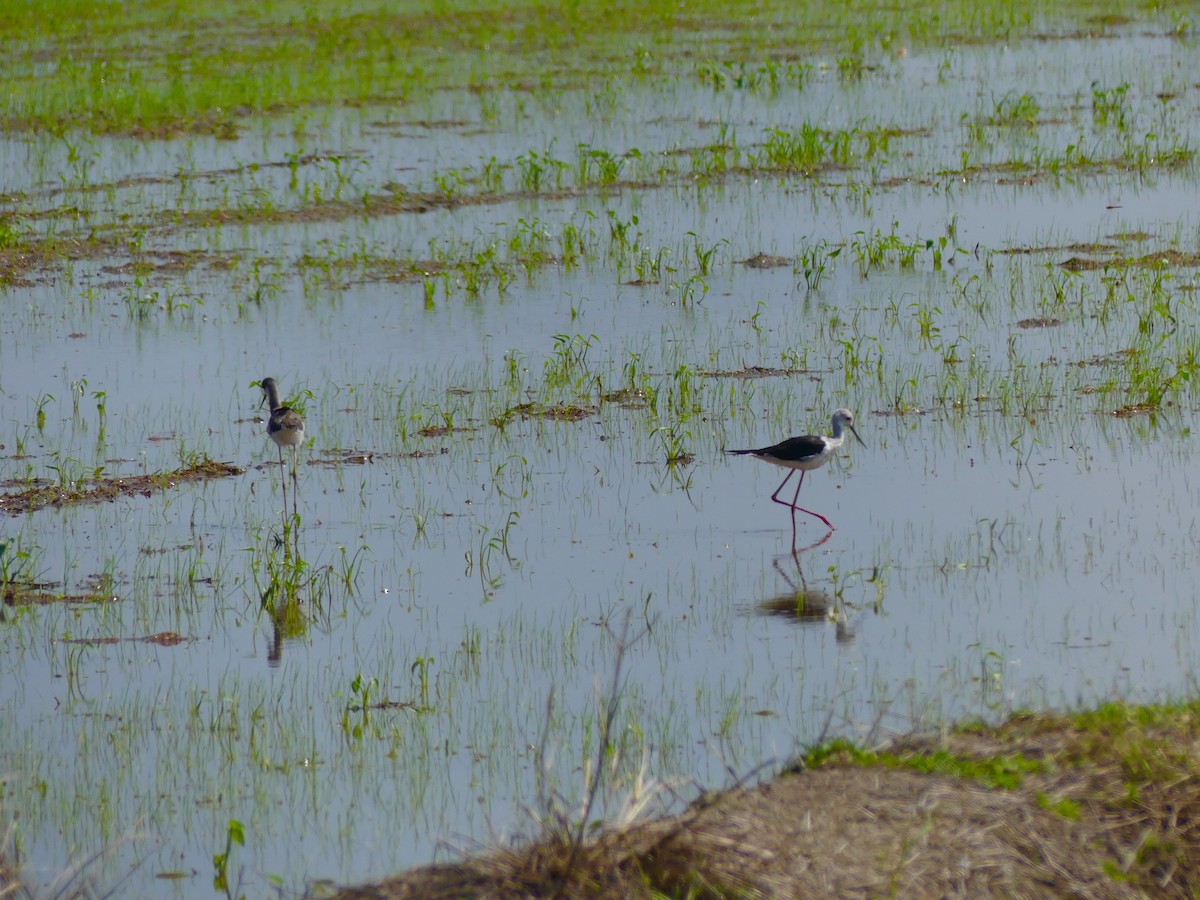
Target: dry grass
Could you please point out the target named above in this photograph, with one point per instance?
(11, 887)
(1103, 804)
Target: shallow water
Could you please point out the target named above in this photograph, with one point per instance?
(1004, 542)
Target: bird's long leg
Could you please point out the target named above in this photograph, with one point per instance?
(828, 524)
(775, 496)
(795, 508)
(283, 483)
(795, 497)
(296, 480)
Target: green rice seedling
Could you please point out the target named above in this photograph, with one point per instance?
(12, 231)
(490, 547)
(513, 471)
(528, 245)
(851, 67)
(567, 366)
(623, 235)
(704, 258)
(361, 692)
(681, 396)
(576, 243)
(39, 415)
(1181, 23)
(599, 167)
(420, 668)
(351, 567)
(16, 564)
(1015, 109)
(735, 75)
(1155, 153)
(925, 315)
(813, 260)
(1110, 108)
(803, 150)
(873, 251)
(343, 170)
(140, 305)
(691, 291)
(81, 157)
(674, 440)
(541, 171)
(235, 833)
(78, 388)
(449, 184)
(68, 472)
(491, 176)
(649, 267)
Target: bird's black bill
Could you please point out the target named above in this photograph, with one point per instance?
(855, 433)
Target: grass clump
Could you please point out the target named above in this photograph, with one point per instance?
(1101, 803)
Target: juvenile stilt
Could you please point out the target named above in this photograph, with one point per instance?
(286, 428)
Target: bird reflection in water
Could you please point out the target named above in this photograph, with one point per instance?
(807, 605)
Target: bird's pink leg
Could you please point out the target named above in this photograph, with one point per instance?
(775, 496)
(795, 498)
(828, 524)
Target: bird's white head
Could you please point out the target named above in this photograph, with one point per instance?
(843, 418)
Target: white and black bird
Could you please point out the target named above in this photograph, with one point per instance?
(285, 427)
(810, 451)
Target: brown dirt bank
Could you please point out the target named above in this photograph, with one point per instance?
(1099, 804)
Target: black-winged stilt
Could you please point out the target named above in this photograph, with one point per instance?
(811, 451)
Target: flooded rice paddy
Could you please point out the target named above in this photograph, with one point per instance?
(522, 326)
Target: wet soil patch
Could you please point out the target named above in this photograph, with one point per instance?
(1146, 261)
(755, 372)
(100, 489)
(443, 430)
(630, 398)
(1057, 248)
(162, 639)
(560, 412)
(1136, 409)
(18, 594)
(765, 261)
(338, 457)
